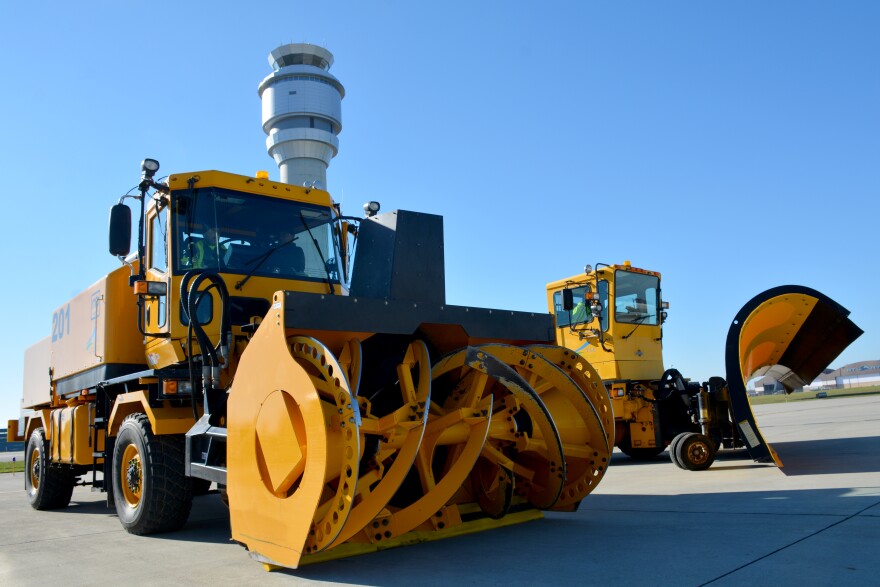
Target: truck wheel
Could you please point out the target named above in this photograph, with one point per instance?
(696, 452)
(49, 486)
(639, 454)
(152, 493)
(673, 447)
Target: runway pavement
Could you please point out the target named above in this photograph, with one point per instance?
(814, 522)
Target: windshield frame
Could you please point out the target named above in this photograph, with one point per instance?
(635, 300)
(246, 237)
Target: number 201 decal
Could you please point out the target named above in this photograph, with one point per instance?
(61, 323)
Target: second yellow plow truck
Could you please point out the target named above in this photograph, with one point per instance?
(306, 363)
(612, 316)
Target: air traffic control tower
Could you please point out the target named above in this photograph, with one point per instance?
(302, 113)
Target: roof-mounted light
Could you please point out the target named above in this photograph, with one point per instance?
(371, 208)
(149, 167)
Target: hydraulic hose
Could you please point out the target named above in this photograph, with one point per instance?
(190, 298)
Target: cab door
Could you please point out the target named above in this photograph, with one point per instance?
(156, 307)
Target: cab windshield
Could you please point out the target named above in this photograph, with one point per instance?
(232, 232)
(636, 298)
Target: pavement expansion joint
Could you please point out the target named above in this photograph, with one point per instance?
(798, 541)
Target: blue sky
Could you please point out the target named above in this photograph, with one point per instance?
(731, 146)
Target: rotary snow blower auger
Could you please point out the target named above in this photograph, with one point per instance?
(333, 452)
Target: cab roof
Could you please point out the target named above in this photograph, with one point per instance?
(581, 278)
(253, 185)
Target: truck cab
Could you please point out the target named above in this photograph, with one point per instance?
(612, 316)
(614, 319)
(257, 235)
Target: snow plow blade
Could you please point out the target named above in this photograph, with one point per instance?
(791, 333)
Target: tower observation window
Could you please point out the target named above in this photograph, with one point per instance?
(305, 78)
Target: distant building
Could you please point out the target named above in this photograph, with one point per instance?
(767, 386)
(9, 446)
(861, 374)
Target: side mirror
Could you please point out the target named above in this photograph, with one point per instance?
(120, 230)
(567, 300)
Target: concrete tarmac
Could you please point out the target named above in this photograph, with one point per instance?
(814, 522)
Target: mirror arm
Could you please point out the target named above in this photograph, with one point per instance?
(125, 197)
(141, 250)
(127, 264)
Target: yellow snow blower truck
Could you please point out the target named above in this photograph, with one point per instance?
(612, 316)
(306, 363)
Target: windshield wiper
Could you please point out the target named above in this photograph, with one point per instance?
(638, 323)
(259, 260)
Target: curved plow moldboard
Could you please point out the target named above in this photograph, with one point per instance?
(790, 333)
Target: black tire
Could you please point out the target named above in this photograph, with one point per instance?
(673, 447)
(151, 492)
(696, 452)
(49, 486)
(638, 454)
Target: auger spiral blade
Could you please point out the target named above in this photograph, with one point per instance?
(585, 419)
(524, 439)
(585, 444)
(397, 438)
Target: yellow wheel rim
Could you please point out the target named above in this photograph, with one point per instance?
(131, 476)
(34, 469)
(698, 453)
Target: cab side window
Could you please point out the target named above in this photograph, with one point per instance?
(158, 260)
(602, 290)
(159, 242)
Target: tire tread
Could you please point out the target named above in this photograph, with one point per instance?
(56, 486)
(167, 495)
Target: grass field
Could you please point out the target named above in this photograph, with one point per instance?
(17, 467)
(811, 395)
